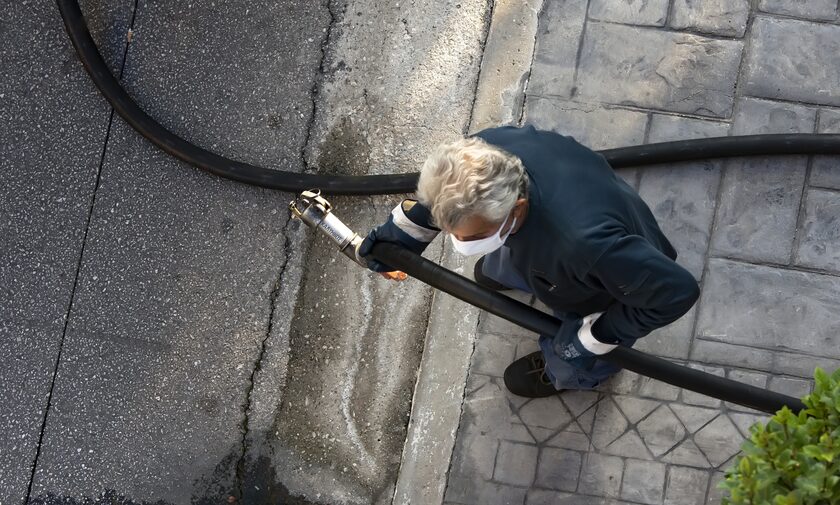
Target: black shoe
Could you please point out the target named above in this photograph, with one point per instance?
(526, 377)
(483, 280)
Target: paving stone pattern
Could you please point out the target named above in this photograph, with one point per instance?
(761, 235)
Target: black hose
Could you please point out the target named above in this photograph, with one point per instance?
(432, 274)
(199, 157)
(723, 147)
(545, 324)
(665, 152)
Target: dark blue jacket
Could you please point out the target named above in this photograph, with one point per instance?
(588, 244)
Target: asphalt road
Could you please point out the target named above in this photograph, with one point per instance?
(169, 336)
(137, 292)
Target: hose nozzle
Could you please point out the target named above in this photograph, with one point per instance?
(316, 212)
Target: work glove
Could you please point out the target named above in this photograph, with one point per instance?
(576, 344)
(381, 233)
(388, 232)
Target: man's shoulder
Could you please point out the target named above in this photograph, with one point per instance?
(544, 150)
(510, 134)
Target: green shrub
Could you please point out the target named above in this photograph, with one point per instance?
(793, 459)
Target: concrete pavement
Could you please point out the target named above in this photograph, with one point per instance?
(760, 234)
(398, 78)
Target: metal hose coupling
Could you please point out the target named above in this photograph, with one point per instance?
(316, 212)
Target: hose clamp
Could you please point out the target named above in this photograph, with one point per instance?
(316, 212)
(309, 198)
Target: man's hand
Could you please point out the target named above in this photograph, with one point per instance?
(396, 275)
(576, 344)
(408, 225)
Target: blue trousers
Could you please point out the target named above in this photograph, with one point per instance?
(563, 375)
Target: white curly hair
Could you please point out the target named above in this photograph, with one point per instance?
(470, 177)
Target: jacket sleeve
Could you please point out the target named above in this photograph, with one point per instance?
(650, 290)
(410, 225)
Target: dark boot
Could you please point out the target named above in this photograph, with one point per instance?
(527, 377)
(483, 280)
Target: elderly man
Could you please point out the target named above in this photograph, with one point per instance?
(549, 217)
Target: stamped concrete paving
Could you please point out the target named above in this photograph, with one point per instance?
(760, 234)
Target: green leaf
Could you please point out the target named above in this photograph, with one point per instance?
(792, 459)
(812, 451)
(744, 466)
(821, 378)
(789, 499)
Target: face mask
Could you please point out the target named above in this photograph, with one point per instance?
(483, 245)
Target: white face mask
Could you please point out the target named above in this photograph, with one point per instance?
(483, 245)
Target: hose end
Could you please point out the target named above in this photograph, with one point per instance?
(316, 212)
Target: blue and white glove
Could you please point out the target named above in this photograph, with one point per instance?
(408, 225)
(576, 344)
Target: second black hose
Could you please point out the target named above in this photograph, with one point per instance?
(545, 324)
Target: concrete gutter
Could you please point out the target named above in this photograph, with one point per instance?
(398, 78)
(450, 337)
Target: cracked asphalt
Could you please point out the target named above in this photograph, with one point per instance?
(138, 293)
(171, 337)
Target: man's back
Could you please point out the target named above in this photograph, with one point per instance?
(578, 209)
